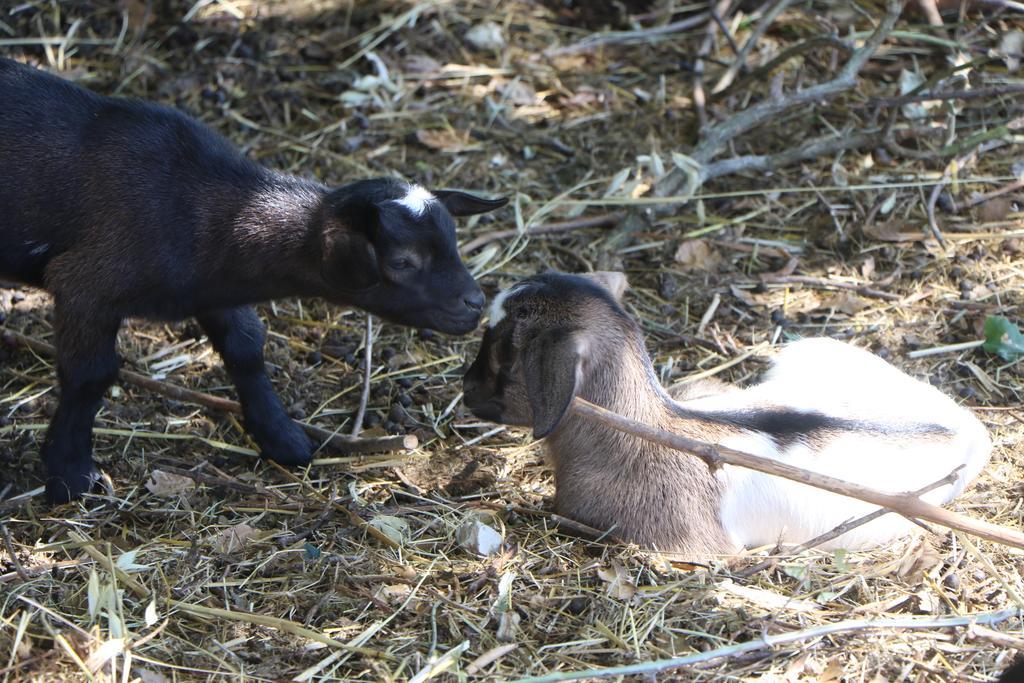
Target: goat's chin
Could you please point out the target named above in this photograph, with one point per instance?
(452, 325)
(489, 411)
(426, 319)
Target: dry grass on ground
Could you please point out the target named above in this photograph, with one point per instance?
(256, 573)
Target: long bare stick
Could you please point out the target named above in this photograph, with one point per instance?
(602, 221)
(716, 456)
(718, 136)
(741, 57)
(715, 138)
(364, 399)
(340, 443)
(597, 40)
(769, 641)
(823, 283)
(812, 149)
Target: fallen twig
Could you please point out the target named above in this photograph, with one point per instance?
(223, 482)
(336, 441)
(357, 424)
(602, 221)
(741, 58)
(1006, 189)
(703, 52)
(717, 137)
(302, 535)
(863, 290)
(9, 545)
(974, 94)
(948, 348)
(813, 149)
(597, 40)
(716, 456)
(769, 641)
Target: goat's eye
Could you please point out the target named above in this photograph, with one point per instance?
(402, 263)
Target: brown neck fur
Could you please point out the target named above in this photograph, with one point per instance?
(651, 495)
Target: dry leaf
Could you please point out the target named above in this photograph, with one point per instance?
(24, 650)
(804, 664)
(833, 673)
(486, 36)
(867, 269)
(508, 626)
(233, 538)
(447, 140)
(846, 302)
(147, 676)
(697, 253)
(927, 602)
(138, 13)
(1012, 47)
(791, 265)
(794, 301)
(892, 231)
(104, 653)
(619, 584)
(518, 93)
(987, 383)
(920, 560)
(421, 65)
(745, 296)
(768, 599)
(393, 593)
(168, 485)
(994, 210)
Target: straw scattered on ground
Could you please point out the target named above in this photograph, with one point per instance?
(902, 235)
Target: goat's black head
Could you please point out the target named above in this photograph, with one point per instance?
(533, 356)
(389, 248)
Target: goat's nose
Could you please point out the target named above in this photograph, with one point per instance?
(475, 301)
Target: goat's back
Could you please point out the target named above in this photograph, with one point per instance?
(882, 429)
(128, 189)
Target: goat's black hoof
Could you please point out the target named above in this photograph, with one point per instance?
(72, 483)
(288, 445)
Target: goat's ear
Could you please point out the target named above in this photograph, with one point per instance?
(464, 204)
(350, 261)
(613, 281)
(552, 367)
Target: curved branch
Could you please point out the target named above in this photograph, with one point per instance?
(717, 137)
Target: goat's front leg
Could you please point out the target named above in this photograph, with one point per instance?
(86, 366)
(238, 336)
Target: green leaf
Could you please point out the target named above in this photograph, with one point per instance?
(795, 571)
(1003, 338)
(839, 560)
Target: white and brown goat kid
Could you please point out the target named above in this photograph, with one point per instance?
(824, 406)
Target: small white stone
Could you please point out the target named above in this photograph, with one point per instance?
(478, 538)
(486, 36)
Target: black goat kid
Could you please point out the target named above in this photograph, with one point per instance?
(125, 208)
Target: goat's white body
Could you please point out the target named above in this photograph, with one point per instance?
(843, 381)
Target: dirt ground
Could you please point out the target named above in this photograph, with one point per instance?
(202, 562)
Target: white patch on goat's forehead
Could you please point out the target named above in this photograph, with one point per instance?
(417, 199)
(497, 312)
